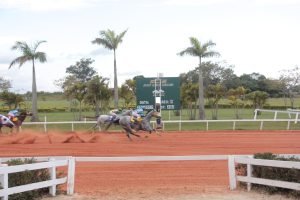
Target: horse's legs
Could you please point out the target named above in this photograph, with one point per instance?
(107, 127)
(129, 131)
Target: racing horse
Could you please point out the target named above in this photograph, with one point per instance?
(131, 128)
(105, 120)
(17, 121)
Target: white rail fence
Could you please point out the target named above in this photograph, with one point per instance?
(249, 179)
(207, 123)
(51, 165)
(289, 112)
(52, 162)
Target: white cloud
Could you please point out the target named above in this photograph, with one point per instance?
(214, 2)
(195, 2)
(276, 2)
(45, 5)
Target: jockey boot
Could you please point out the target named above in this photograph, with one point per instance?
(158, 126)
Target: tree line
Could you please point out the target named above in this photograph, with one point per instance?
(209, 80)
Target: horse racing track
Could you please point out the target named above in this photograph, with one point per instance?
(144, 179)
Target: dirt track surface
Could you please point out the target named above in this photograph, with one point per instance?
(126, 180)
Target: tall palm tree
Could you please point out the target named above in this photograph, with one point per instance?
(110, 40)
(202, 51)
(30, 53)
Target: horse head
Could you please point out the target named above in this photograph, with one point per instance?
(153, 113)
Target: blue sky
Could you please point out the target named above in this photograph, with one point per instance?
(253, 35)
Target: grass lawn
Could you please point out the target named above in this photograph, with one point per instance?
(223, 114)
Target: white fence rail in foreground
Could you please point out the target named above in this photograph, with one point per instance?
(70, 161)
(249, 179)
(51, 164)
(180, 122)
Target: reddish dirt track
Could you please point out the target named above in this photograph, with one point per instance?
(148, 178)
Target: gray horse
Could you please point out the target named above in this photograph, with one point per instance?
(104, 121)
(131, 128)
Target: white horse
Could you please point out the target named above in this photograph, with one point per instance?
(131, 128)
(105, 121)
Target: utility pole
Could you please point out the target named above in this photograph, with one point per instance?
(158, 93)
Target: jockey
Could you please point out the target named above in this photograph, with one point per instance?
(114, 114)
(137, 115)
(13, 114)
(6, 121)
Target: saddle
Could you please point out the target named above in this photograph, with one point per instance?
(136, 120)
(114, 119)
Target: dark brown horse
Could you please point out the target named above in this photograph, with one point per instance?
(18, 120)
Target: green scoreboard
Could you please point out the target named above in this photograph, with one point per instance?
(170, 93)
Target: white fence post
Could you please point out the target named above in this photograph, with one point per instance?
(4, 181)
(71, 175)
(233, 128)
(261, 125)
(288, 125)
(52, 170)
(275, 115)
(249, 173)
(180, 120)
(207, 125)
(296, 118)
(255, 114)
(231, 170)
(45, 124)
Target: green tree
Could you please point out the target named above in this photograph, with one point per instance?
(236, 96)
(30, 53)
(77, 91)
(214, 94)
(75, 85)
(290, 80)
(253, 82)
(258, 98)
(189, 94)
(201, 51)
(11, 99)
(110, 40)
(4, 84)
(131, 85)
(97, 92)
(82, 70)
(127, 92)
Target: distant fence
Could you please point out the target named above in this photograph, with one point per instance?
(209, 124)
(289, 112)
(249, 179)
(51, 164)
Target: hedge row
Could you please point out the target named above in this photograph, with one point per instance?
(27, 177)
(274, 173)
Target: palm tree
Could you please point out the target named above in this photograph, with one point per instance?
(110, 40)
(201, 51)
(29, 53)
